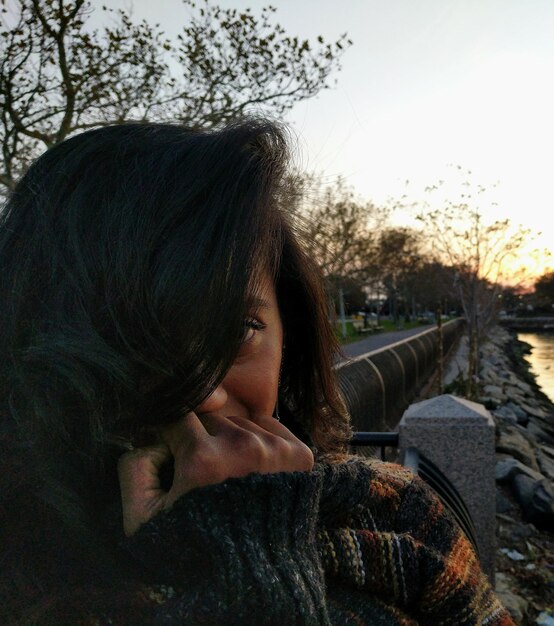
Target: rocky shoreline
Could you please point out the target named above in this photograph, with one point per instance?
(524, 418)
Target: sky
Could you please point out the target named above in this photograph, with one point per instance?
(426, 85)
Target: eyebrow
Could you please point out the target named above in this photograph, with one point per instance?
(254, 302)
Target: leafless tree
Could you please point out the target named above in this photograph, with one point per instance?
(340, 227)
(397, 258)
(58, 75)
(478, 251)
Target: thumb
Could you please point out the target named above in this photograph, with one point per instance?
(139, 480)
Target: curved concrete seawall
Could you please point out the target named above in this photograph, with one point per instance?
(379, 386)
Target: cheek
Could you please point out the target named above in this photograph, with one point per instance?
(254, 383)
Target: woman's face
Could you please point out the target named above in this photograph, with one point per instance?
(250, 387)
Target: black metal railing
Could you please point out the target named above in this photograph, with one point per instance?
(429, 472)
(377, 440)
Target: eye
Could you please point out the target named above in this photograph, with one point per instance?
(250, 327)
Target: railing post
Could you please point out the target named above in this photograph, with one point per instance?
(458, 437)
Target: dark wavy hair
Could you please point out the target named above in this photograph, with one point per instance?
(127, 254)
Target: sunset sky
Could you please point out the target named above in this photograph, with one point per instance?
(426, 84)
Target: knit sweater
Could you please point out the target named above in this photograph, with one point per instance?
(362, 542)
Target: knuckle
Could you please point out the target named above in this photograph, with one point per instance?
(253, 450)
(280, 447)
(130, 459)
(140, 457)
(245, 440)
(305, 457)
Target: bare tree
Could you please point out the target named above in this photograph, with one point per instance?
(433, 285)
(340, 227)
(340, 230)
(59, 76)
(478, 251)
(397, 258)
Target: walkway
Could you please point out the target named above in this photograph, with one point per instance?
(380, 340)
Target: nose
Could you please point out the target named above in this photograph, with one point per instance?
(214, 402)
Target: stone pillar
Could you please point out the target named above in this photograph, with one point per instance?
(458, 437)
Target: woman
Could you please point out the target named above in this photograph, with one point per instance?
(166, 384)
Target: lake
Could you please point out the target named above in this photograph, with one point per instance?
(541, 359)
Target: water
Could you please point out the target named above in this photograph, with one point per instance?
(541, 359)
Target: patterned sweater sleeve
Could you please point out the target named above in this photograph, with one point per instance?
(391, 537)
(226, 553)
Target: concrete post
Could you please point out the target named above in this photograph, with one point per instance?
(458, 437)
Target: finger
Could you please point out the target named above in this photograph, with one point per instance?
(217, 425)
(189, 429)
(141, 495)
(138, 468)
(284, 446)
(268, 428)
(252, 425)
(274, 426)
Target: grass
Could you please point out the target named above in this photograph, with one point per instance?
(351, 336)
(388, 326)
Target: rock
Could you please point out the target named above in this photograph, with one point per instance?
(546, 463)
(506, 413)
(547, 417)
(505, 419)
(509, 416)
(509, 421)
(539, 433)
(536, 498)
(535, 411)
(548, 451)
(516, 605)
(524, 531)
(513, 555)
(489, 402)
(490, 375)
(523, 488)
(525, 387)
(543, 500)
(493, 391)
(545, 619)
(514, 380)
(523, 431)
(519, 412)
(515, 444)
(503, 504)
(507, 468)
(495, 377)
(514, 394)
(516, 417)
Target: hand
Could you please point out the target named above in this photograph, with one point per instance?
(205, 452)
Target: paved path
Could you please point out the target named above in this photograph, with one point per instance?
(374, 342)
